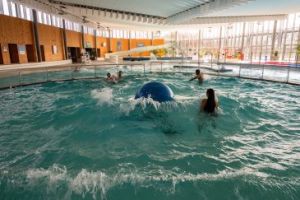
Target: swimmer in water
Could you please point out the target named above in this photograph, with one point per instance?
(110, 78)
(210, 104)
(198, 76)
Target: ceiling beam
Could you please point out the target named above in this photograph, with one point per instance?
(233, 19)
(202, 10)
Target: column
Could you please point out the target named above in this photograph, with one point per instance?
(129, 39)
(35, 32)
(152, 38)
(95, 36)
(273, 39)
(82, 37)
(220, 43)
(109, 41)
(65, 40)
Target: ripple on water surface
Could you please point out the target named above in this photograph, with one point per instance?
(91, 140)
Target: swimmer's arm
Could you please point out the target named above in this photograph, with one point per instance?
(193, 78)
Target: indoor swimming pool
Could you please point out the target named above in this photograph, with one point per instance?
(89, 139)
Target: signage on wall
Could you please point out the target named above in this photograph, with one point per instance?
(119, 45)
(140, 44)
(22, 49)
(54, 49)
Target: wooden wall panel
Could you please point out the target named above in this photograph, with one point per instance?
(134, 43)
(73, 39)
(14, 31)
(156, 42)
(49, 40)
(23, 58)
(5, 53)
(89, 41)
(102, 44)
(124, 44)
(19, 31)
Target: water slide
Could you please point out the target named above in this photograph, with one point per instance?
(117, 56)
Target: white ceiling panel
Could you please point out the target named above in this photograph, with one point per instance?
(162, 8)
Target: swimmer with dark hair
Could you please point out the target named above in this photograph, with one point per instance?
(210, 104)
(198, 76)
(110, 78)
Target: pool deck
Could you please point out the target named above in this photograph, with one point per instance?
(59, 64)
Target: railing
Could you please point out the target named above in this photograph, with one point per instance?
(10, 78)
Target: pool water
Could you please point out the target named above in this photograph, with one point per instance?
(88, 139)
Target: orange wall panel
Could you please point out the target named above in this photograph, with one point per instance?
(118, 44)
(50, 40)
(5, 54)
(73, 39)
(89, 41)
(102, 44)
(134, 43)
(156, 42)
(15, 31)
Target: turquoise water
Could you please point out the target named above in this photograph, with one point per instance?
(88, 139)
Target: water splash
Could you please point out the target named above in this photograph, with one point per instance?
(103, 96)
(100, 182)
(148, 103)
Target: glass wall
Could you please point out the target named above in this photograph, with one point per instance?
(248, 42)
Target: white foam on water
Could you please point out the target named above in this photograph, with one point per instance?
(145, 103)
(103, 96)
(89, 70)
(54, 173)
(100, 182)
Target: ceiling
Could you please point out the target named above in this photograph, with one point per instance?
(261, 7)
(161, 14)
(162, 8)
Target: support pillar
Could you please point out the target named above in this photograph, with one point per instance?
(95, 43)
(199, 39)
(152, 38)
(220, 43)
(129, 43)
(273, 39)
(109, 41)
(82, 37)
(36, 40)
(243, 37)
(65, 40)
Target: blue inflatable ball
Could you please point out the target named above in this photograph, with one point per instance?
(157, 91)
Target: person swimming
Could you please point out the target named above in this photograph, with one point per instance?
(210, 104)
(110, 78)
(198, 76)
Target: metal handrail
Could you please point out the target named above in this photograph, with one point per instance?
(71, 68)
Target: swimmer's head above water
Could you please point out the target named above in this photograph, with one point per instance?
(210, 104)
